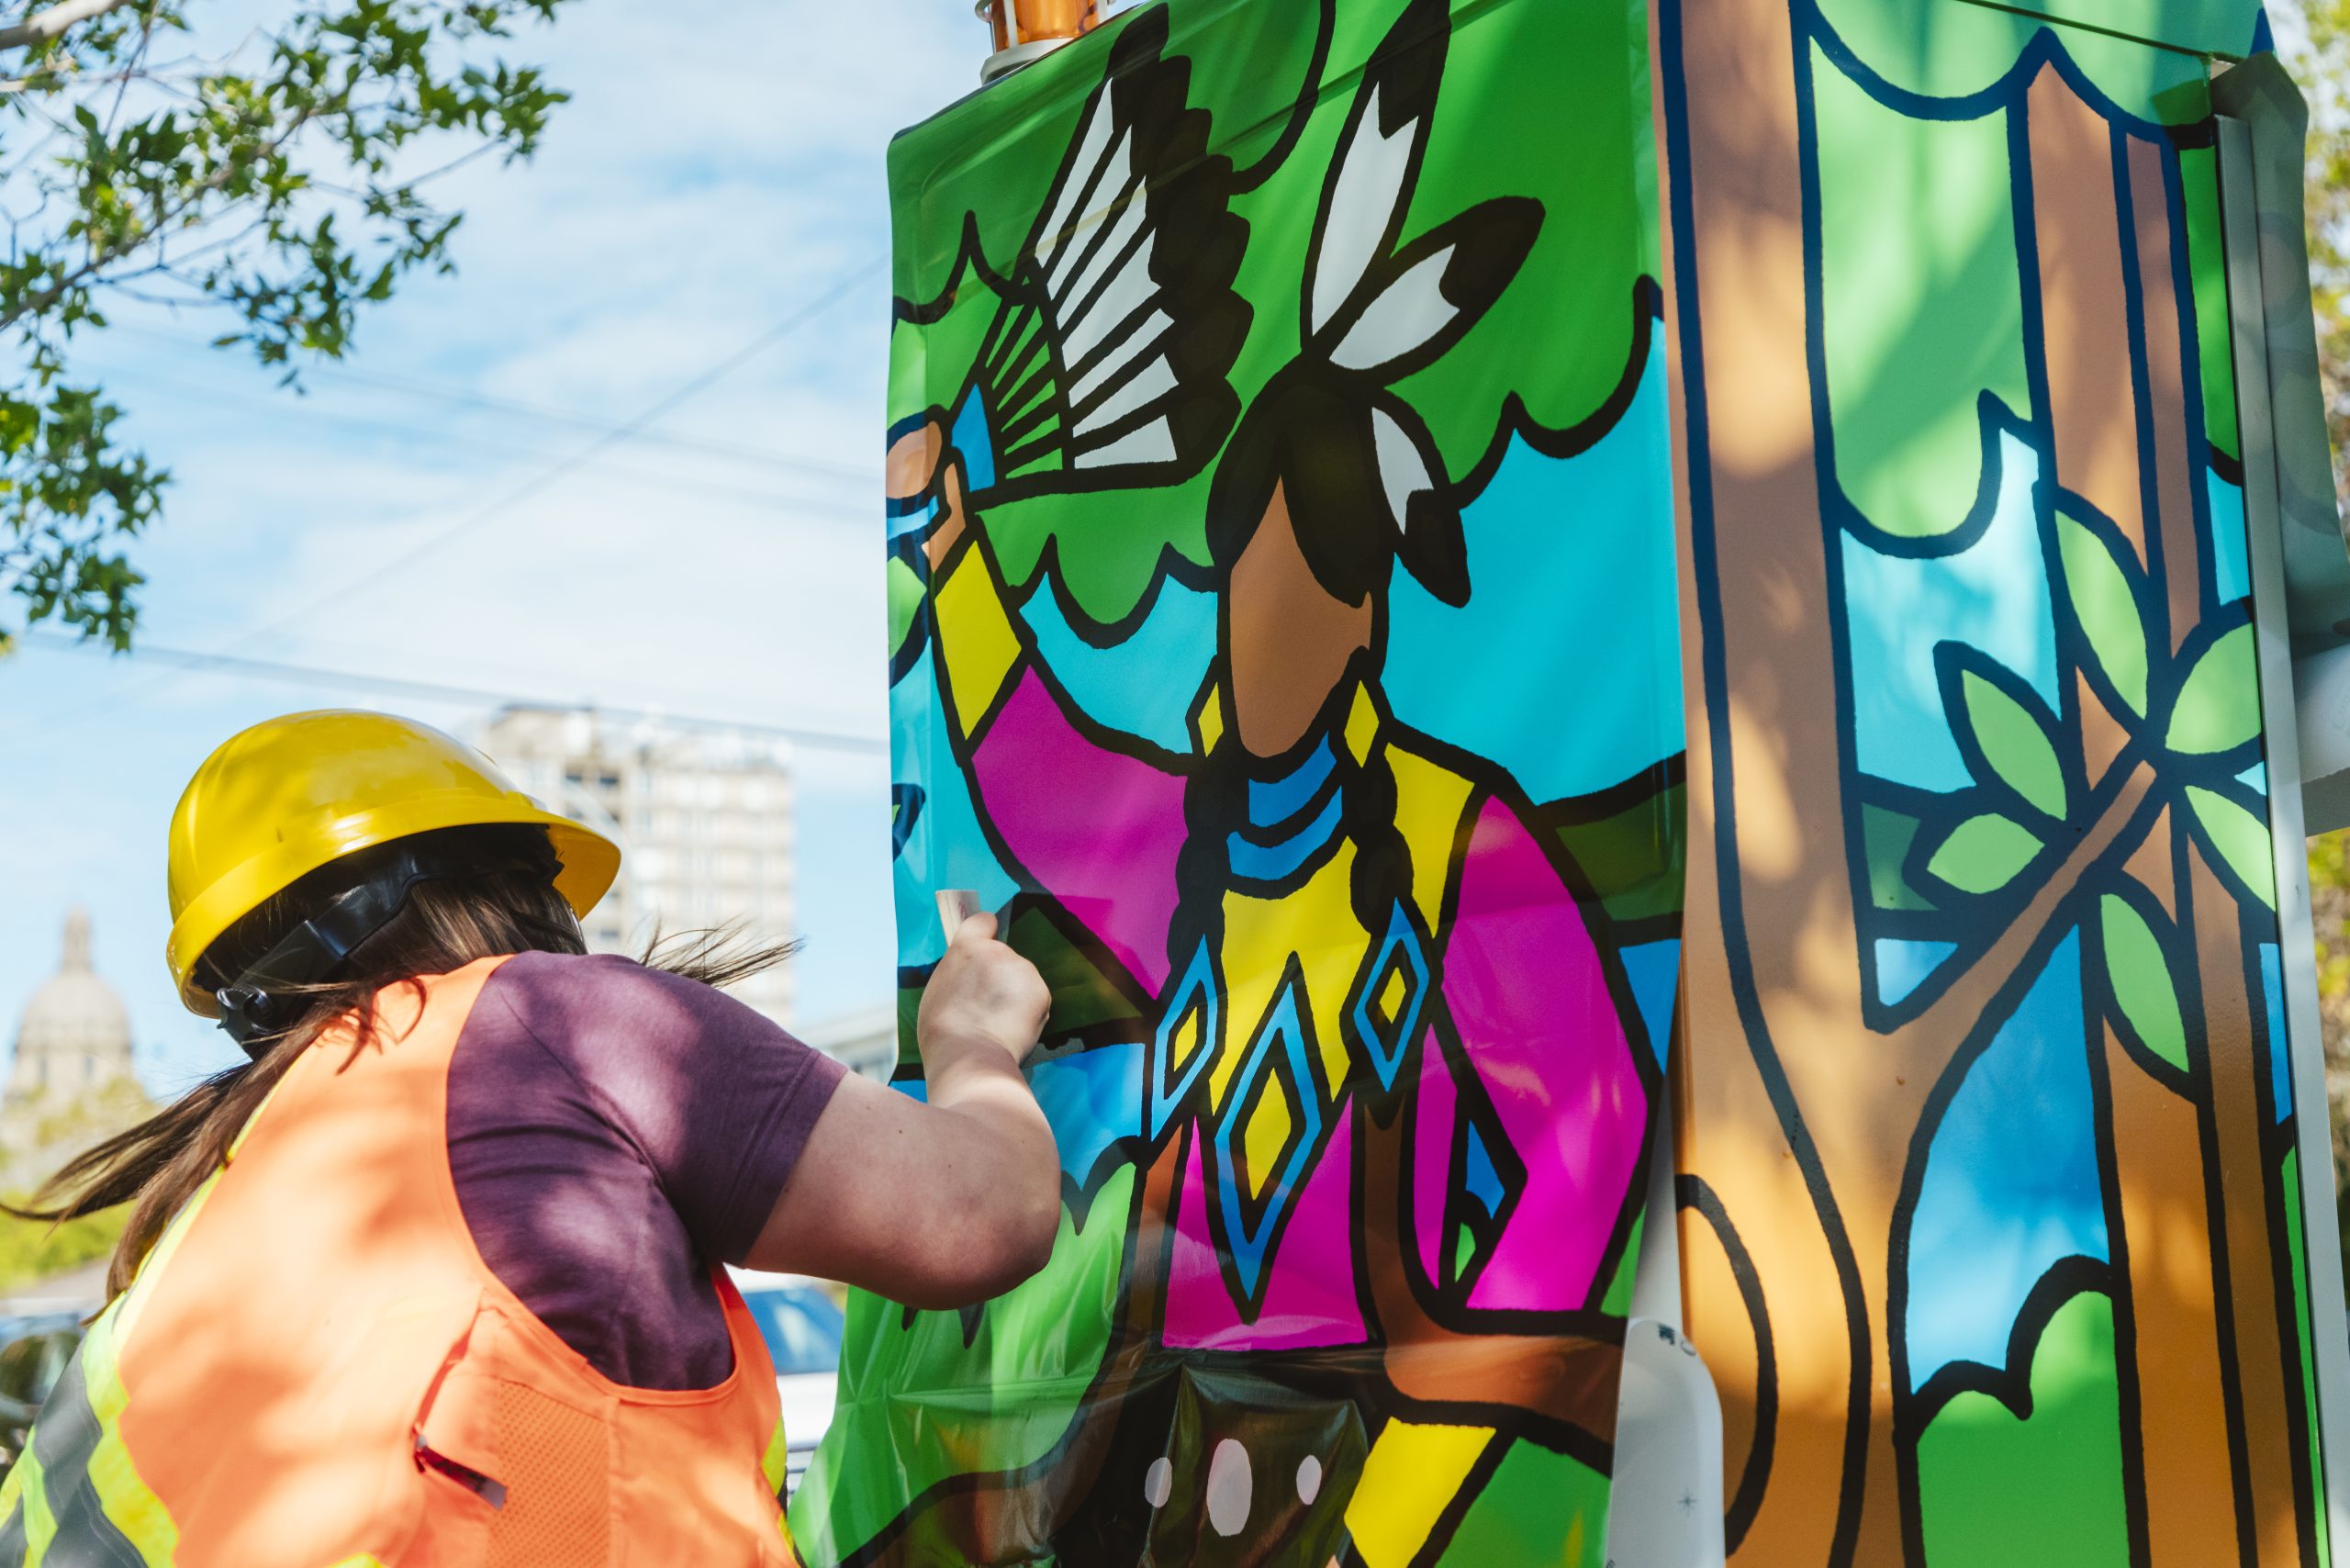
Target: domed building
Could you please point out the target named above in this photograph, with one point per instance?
(73, 1054)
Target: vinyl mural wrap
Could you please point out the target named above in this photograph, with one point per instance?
(1990, 1206)
(1331, 449)
(1283, 605)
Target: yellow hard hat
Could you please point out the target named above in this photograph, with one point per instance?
(284, 798)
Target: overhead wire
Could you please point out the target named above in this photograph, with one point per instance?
(455, 396)
(443, 691)
(563, 468)
(837, 509)
(504, 501)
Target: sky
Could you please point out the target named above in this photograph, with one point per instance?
(716, 182)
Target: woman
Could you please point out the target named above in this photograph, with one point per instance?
(435, 1278)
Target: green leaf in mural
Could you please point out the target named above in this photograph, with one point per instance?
(2015, 743)
(1984, 853)
(2106, 609)
(2241, 840)
(2219, 704)
(2142, 986)
(906, 591)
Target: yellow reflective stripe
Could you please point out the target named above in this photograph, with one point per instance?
(123, 1493)
(364, 1560)
(12, 1524)
(125, 1497)
(777, 1464)
(40, 1529)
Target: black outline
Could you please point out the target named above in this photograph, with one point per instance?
(2010, 1384)
(1692, 1193)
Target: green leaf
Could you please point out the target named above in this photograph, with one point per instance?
(2218, 703)
(2015, 743)
(1984, 853)
(2241, 840)
(906, 592)
(2107, 611)
(2142, 986)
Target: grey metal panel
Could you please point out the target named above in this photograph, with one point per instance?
(2329, 1323)
(2261, 96)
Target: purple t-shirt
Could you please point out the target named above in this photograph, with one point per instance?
(614, 1130)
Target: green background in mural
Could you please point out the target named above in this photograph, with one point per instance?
(1279, 445)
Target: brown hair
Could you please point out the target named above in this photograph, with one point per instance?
(445, 923)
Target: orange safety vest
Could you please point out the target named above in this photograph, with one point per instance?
(315, 1368)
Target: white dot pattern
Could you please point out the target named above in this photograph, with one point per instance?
(1230, 1486)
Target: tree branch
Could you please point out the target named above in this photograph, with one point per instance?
(1937, 1032)
(47, 299)
(42, 27)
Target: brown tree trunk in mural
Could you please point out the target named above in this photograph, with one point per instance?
(2181, 1367)
(1802, 1139)
(2166, 1239)
(1831, 1437)
(2234, 1061)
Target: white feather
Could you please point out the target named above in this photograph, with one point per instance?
(1154, 442)
(1126, 294)
(1092, 140)
(1402, 473)
(1158, 378)
(1111, 252)
(1146, 337)
(1109, 207)
(1407, 313)
(1363, 194)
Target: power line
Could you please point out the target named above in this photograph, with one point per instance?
(837, 509)
(440, 691)
(563, 468)
(460, 397)
(546, 478)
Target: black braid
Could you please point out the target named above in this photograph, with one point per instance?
(1214, 805)
(1382, 870)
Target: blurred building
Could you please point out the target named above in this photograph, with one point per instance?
(865, 1042)
(703, 817)
(69, 1078)
(75, 1036)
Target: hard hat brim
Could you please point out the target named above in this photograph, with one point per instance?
(590, 862)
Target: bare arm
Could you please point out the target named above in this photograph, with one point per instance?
(942, 1204)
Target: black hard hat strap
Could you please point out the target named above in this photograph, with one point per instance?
(269, 997)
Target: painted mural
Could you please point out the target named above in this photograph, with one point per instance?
(1285, 642)
(1989, 1201)
(1331, 448)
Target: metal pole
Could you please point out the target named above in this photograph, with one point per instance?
(2266, 528)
